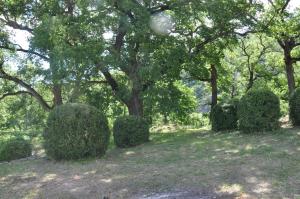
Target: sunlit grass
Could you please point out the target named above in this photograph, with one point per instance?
(253, 165)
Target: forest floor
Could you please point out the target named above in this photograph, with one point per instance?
(185, 164)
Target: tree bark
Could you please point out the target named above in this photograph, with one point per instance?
(287, 46)
(57, 95)
(250, 81)
(166, 121)
(135, 105)
(289, 69)
(214, 85)
(27, 86)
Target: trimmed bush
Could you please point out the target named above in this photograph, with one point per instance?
(295, 107)
(15, 148)
(76, 131)
(130, 131)
(259, 110)
(224, 117)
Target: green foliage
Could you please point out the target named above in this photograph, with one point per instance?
(103, 99)
(224, 116)
(76, 131)
(197, 120)
(295, 107)
(15, 148)
(130, 131)
(21, 113)
(175, 101)
(137, 62)
(259, 110)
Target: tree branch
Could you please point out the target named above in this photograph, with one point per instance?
(159, 9)
(15, 94)
(168, 6)
(147, 85)
(28, 87)
(285, 6)
(97, 82)
(208, 40)
(15, 25)
(122, 10)
(281, 43)
(244, 34)
(24, 51)
(295, 59)
(202, 79)
(110, 80)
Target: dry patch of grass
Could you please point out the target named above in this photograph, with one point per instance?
(207, 164)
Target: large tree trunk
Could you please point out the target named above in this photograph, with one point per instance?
(214, 85)
(287, 46)
(57, 95)
(135, 105)
(289, 69)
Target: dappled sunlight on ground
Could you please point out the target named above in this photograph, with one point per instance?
(189, 163)
(230, 189)
(249, 147)
(106, 180)
(262, 187)
(171, 128)
(49, 177)
(130, 153)
(90, 172)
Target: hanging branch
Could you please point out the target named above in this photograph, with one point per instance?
(14, 94)
(30, 90)
(20, 49)
(15, 25)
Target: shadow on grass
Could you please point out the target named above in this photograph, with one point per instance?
(191, 163)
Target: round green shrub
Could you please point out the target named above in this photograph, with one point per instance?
(129, 131)
(15, 148)
(259, 110)
(76, 131)
(224, 116)
(295, 107)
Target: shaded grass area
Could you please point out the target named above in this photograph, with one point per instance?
(34, 136)
(221, 165)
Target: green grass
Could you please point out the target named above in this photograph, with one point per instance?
(223, 164)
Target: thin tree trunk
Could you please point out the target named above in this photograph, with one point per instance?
(287, 46)
(250, 81)
(232, 93)
(234, 86)
(76, 92)
(166, 121)
(289, 69)
(214, 85)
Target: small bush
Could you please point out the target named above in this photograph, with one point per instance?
(130, 131)
(295, 107)
(259, 110)
(224, 116)
(15, 148)
(76, 131)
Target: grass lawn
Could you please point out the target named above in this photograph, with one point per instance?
(199, 162)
